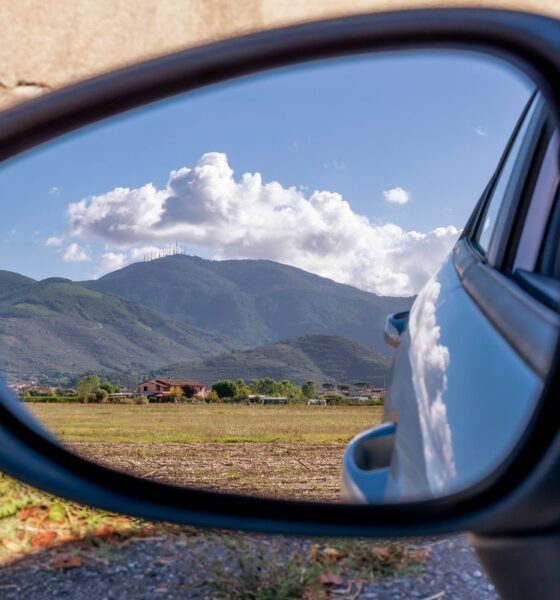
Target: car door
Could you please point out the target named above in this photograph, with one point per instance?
(473, 353)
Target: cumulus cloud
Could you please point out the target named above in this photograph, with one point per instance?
(110, 261)
(429, 360)
(54, 241)
(205, 207)
(396, 195)
(75, 253)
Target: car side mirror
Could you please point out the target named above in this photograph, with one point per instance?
(509, 462)
(395, 326)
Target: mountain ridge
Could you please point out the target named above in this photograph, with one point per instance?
(320, 358)
(56, 326)
(253, 302)
(176, 309)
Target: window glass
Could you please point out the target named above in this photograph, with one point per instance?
(539, 209)
(499, 193)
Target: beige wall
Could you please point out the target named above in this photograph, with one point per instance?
(152, 388)
(47, 44)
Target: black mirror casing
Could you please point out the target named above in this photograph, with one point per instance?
(520, 496)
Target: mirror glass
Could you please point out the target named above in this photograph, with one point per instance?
(197, 292)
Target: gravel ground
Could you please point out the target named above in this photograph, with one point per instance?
(170, 568)
(453, 572)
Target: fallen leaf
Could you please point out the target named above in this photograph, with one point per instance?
(312, 550)
(67, 537)
(381, 553)
(32, 513)
(330, 555)
(43, 539)
(420, 555)
(11, 545)
(330, 578)
(26, 512)
(105, 530)
(66, 562)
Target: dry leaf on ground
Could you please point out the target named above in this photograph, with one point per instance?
(65, 562)
(330, 578)
(381, 553)
(43, 539)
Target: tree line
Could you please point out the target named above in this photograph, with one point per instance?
(238, 391)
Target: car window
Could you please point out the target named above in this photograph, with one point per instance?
(489, 218)
(539, 209)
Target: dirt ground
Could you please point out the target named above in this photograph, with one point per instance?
(246, 567)
(281, 469)
(292, 452)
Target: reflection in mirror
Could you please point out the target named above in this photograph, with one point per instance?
(197, 292)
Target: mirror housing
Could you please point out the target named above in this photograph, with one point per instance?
(395, 325)
(366, 464)
(527, 477)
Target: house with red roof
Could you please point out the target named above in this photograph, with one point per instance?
(161, 388)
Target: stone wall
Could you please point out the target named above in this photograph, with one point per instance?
(46, 45)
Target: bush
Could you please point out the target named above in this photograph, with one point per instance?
(212, 397)
(87, 387)
(176, 394)
(90, 399)
(49, 399)
(225, 388)
(309, 389)
(122, 400)
(109, 387)
(87, 398)
(101, 396)
(139, 400)
(270, 387)
(379, 400)
(334, 399)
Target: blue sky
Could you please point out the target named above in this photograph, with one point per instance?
(432, 124)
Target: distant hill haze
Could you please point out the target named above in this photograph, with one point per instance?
(253, 302)
(319, 358)
(182, 309)
(57, 327)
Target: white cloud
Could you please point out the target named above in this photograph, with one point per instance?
(335, 164)
(54, 191)
(54, 241)
(110, 261)
(480, 131)
(206, 208)
(429, 360)
(396, 195)
(75, 253)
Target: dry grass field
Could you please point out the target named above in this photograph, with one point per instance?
(282, 451)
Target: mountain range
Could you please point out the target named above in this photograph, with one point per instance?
(57, 327)
(252, 302)
(186, 310)
(319, 358)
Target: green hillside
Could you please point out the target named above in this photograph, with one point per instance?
(253, 302)
(56, 327)
(11, 282)
(183, 309)
(320, 358)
